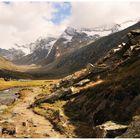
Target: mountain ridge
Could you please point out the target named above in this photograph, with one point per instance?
(73, 61)
(69, 40)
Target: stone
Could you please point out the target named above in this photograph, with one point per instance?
(8, 131)
(116, 50)
(23, 123)
(100, 68)
(134, 37)
(90, 67)
(83, 82)
(58, 95)
(34, 125)
(135, 32)
(100, 132)
(134, 47)
(110, 130)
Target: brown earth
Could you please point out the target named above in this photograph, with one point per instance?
(24, 122)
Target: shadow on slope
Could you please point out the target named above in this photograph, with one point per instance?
(117, 99)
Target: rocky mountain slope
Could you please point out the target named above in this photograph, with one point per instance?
(72, 51)
(12, 54)
(40, 49)
(46, 50)
(101, 100)
(75, 60)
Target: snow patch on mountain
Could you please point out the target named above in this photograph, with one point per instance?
(51, 46)
(100, 33)
(105, 30)
(25, 49)
(12, 53)
(127, 24)
(70, 32)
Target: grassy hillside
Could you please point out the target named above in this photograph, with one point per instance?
(10, 70)
(6, 64)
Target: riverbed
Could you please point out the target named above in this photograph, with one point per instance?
(8, 96)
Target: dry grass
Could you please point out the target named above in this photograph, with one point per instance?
(11, 84)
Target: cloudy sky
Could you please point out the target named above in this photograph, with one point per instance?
(24, 22)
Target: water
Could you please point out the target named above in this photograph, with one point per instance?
(8, 96)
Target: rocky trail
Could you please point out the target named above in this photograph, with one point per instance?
(23, 122)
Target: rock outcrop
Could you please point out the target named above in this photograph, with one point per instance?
(109, 130)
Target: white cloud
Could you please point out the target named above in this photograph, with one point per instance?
(90, 14)
(24, 22)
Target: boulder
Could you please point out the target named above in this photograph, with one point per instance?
(110, 130)
(90, 67)
(82, 82)
(58, 95)
(63, 83)
(134, 129)
(100, 68)
(134, 37)
(135, 32)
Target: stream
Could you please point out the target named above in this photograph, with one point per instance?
(8, 96)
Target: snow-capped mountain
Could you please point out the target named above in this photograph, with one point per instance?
(72, 39)
(46, 50)
(79, 58)
(40, 43)
(12, 54)
(109, 28)
(39, 50)
(71, 34)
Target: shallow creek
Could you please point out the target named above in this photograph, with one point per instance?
(8, 96)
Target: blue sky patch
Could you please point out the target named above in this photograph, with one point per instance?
(63, 11)
(7, 2)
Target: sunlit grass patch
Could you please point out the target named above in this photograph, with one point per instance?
(10, 84)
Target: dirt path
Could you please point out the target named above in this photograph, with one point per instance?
(29, 124)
